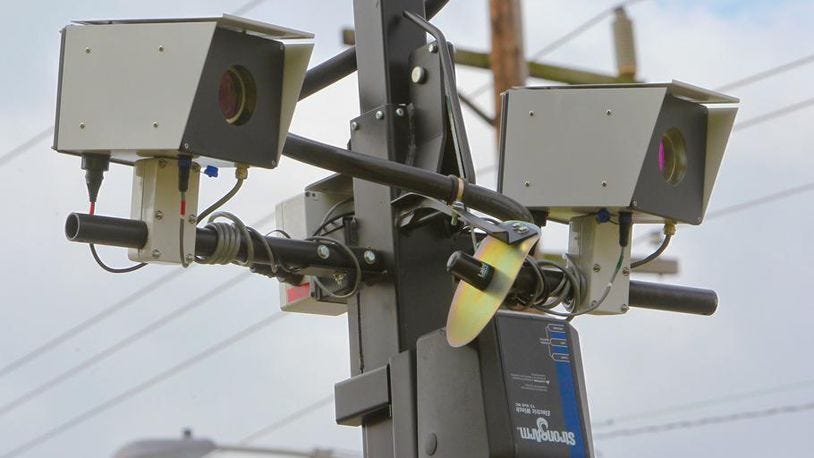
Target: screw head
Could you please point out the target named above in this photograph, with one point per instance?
(192, 219)
(634, 203)
(527, 184)
(369, 256)
(433, 48)
(87, 50)
(155, 124)
(354, 125)
(274, 163)
(597, 267)
(604, 184)
(379, 115)
(608, 112)
(159, 214)
(186, 145)
(156, 253)
(522, 229)
(531, 112)
(160, 48)
(418, 75)
(625, 308)
(323, 252)
(399, 111)
(81, 125)
(189, 258)
(699, 219)
(625, 271)
(162, 163)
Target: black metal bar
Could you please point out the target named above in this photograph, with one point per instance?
(127, 233)
(402, 176)
(105, 230)
(655, 296)
(344, 63)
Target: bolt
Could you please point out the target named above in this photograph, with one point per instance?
(339, 278)
(597, 267)
(433, 48)
(625, 308)
(160, 48)
(604, 184)
(522, 229)
(162, 163)
(156, 253)
(189, 258)
(531, 112)
(527, 183)
(354, 125)
(608, 112)
(155, 124)
(515, 226)
(634, 203)
(81, 125)
(323, 252)
(274, 163)
(380, 115)
(87, 50)
(369, 256)
(418, 75)
(159, 214)
(192, 219)
(625, 271)
(399, 111)
(186, 145)
(698, 220)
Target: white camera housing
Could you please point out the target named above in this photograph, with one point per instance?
(220, 89)
(652, 149)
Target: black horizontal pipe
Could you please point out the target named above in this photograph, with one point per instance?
(655, 296)
(127, 233)
(402, 176)
(343, 64)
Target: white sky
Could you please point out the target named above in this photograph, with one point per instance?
(758, 261)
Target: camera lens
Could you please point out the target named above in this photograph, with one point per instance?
(672, 157)
(236, 95)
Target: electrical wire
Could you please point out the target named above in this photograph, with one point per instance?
(788, 109)
(358, 268)
(287, 420)
(745, 81)
(26, 145)
(325, 224)
(706, 421)
(113, 270)
(229, 238)
(122, 344)
(653, 255)
(144, 385)
(239, 179)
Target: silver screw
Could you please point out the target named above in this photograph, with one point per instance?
(339, 278)
(635, 203)
(418, 75)
(162, 163)
(81, 125)
(604, 184)
(608, 112)
(699, 219)
(380, 115)
(354, 125)
(323, 252)
(192, 219)
(531, 112)
(160, 48)
(156, 253)
(87, 50)
(433, 48)
(159, 214)
(527, 183)
(186, 145)
(155, 124)
(369, 256)
(597, 267)
(625, 308)
(274, 163)
(625, 271)
(399, 111)
(522, 229)
(515, 225)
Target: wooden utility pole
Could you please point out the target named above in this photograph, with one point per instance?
(507, 58)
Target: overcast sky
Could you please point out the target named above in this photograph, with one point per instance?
(759, 260)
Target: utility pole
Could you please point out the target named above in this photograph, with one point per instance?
(507, 58)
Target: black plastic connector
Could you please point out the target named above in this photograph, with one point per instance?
(95, 166)
(625, 228)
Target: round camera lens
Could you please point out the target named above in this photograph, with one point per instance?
(236, 95)
(672, 157)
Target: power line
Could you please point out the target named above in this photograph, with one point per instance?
(774, 114)
(123, 343)
(706, 421)
(705, 403)
(25, 146)
(104, 314)
(803, 188)
(140, 387)
(310, 408)
(766, 73)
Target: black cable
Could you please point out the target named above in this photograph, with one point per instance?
(318, 230)
(113, 270)
(287, 420)
(226, 197)
(142, 386)
(653, 255)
